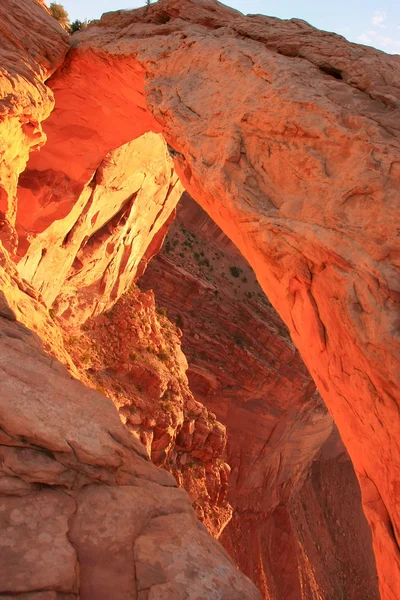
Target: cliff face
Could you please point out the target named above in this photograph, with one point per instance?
(242, 362)
(316, 546)
(32, 46)
(289, 138)
(132, 354)
(84, 250)
(286, 135)
(85, 513)
(243, 365)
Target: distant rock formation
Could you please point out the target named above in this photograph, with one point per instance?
(287, 136)
(290, 529)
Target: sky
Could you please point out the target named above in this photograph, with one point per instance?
(371, 22)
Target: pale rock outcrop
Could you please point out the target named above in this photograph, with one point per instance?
(84, 513)
(32, 46)
(91, 246)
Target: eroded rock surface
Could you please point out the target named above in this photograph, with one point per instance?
(242, 365)
(84, 251)
(84, 513)
(32, 46)
(132, 354)
(288, 137)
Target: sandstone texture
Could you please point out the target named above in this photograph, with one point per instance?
(32, 46)
(92, 245)
(316, 546)
(288, 538)
(83, 512)
(287, 136)
(132, 354)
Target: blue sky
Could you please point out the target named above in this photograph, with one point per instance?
(371, 22)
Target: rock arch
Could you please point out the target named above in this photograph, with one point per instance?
(299, 166)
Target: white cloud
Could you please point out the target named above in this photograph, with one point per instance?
(388, 42)
(384, 42)
(364, 39)
(378, 18)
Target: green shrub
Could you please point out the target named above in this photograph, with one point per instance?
(78, 25)
(235, 271)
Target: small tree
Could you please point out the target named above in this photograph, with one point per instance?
(60, 14)
(78, 25)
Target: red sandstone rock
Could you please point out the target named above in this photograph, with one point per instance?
(84, 512)
(132, 354)
(32, 46)
(243, 366)
(289, 138)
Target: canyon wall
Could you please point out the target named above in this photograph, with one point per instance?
(83, 512)
(292, 540)
(132, 354)
(287, 136)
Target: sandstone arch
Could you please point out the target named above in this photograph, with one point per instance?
(289, 138)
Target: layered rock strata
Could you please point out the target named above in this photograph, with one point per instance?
(66, 458)
(83, 511)
(288, 137)
(132, 354)
(242, 365)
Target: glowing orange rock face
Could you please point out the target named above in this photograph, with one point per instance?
(91, 202)
(298, 529)
(289, 138)
(32, 46)
(89, 255)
